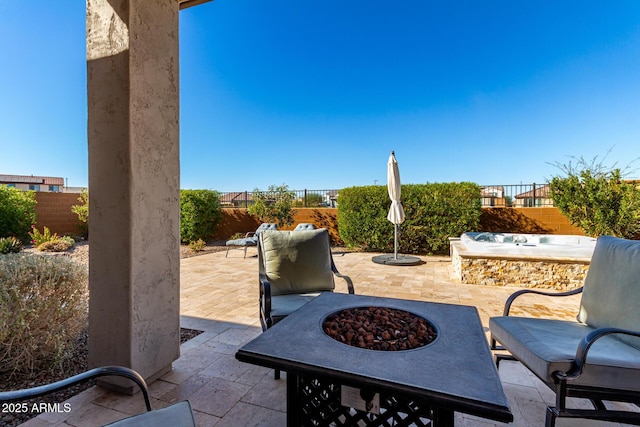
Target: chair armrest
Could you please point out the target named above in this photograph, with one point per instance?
(343, 277)
(120, 371)
(265, 298)
(249, 234)
(511, 299)
(583, 349)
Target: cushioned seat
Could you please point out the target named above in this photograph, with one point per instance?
(176, 415)
(284, 305)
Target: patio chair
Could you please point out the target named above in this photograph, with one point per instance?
(294, 267)
(176, 415)
(596, 357)
(250, 239)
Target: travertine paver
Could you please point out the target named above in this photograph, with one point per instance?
(220, 296)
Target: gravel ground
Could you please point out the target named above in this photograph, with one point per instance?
(77, 362)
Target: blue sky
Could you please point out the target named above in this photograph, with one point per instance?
(315, 94)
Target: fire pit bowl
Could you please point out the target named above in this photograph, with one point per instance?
(379, 328)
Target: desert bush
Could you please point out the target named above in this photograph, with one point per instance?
(62, 244)
(38, 238)
(197, 245)
(10, 245)
(50, 242)
(200, 214)
(17, 212)
(43, 308)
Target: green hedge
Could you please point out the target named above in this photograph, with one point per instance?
(434, 212)
(17, 212)
(200, 214)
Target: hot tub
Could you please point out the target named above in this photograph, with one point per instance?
(528, 260)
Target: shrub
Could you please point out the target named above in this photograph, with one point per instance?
(597, 200)
(274, 205)
(10, 245)
(43, 308)
(62, 244)
(200, 214)
(38, 238)
(362, 218)
(82, 210)
(197, 246)
(434, 212)
(17, 212)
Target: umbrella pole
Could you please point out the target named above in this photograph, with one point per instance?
(395, 242)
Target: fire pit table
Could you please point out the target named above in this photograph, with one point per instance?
(330, 383)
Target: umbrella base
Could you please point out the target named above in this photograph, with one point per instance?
(389, 259)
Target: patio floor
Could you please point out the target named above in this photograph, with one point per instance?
(219, 296)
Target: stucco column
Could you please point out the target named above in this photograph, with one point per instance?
(134, 186)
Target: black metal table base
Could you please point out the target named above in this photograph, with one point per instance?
(316, 402)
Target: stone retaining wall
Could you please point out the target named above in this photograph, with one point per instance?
(561, 275)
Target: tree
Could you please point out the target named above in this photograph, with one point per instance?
(274, 205)
(596, 199)
(17, 212)
(309, 200)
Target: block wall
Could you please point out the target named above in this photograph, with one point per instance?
(53, 211)
(238, 220)
(547, 220)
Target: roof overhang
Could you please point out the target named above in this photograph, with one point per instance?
(188, 3)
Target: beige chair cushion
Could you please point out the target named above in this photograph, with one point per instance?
(611, 295)
(297, 261)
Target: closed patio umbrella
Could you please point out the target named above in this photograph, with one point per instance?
(396, 216)
(396, 212)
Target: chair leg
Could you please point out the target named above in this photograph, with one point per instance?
(245, 252)
(550, 419)
(501, 357)
(276, 374)
(225, 255)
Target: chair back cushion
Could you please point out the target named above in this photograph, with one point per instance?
(297, 261)
(266, 227)
(304, 226)
(611, 294)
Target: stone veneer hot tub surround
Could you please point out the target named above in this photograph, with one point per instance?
(526, 260)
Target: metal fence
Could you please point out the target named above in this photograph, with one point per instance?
(517, 195)
(302, 199)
